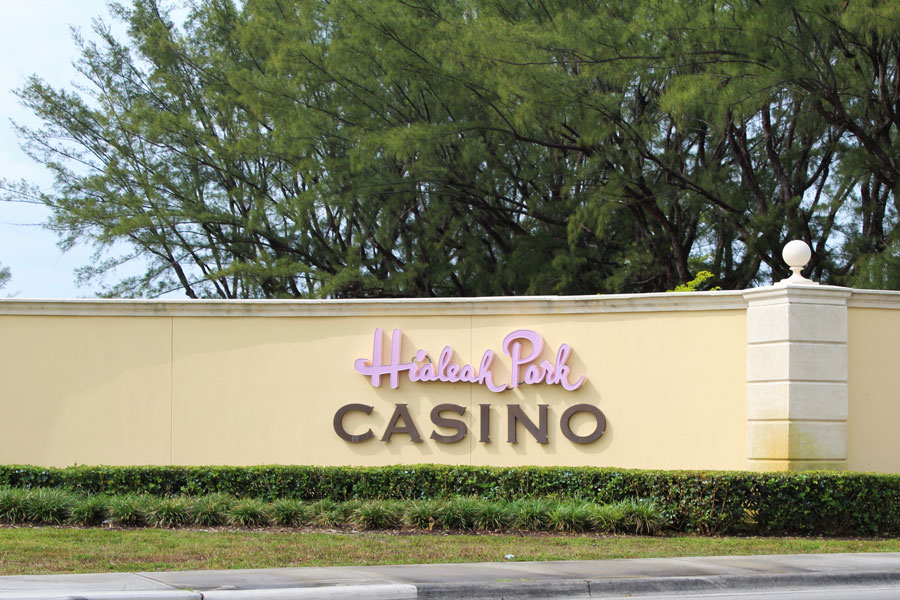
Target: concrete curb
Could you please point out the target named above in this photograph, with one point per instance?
(599, 588)
(763, 581)
(124, 595)
(331, 592)
(398, 591)
(523, 588)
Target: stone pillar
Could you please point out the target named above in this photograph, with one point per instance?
(797, 375)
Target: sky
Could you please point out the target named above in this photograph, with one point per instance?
(35, 38)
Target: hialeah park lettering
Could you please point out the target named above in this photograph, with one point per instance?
(524, 348)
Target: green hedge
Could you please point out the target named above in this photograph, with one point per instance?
(821, 503)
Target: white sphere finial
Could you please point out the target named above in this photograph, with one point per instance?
(796, 254)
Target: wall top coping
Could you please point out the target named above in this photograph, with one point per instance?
(497, 305)
(503, 305)
(874, 299)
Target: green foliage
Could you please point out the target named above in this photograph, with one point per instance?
(169, 512)
(492, 515)
(572, 517)
(248, 512)
(697, 283)
(211, 510)
(290, 513)
(13, 503)
(639, 516)
(328, 513)
(4, 276)
(530, 515)
(420, 514)
(828, 504)
(378, 514)
(460, 512)
(90, 511)
(130, 510)
(610, 518)
(693, 501)
(357, 148)
(56, 506)
(48, 505)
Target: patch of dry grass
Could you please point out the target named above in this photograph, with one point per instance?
(43, 550)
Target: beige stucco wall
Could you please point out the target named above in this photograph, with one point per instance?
(259, 383)
(873, 345)
(86, 390)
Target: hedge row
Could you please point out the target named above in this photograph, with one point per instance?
(824, 503)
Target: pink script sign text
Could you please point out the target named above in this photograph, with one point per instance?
(524, 369)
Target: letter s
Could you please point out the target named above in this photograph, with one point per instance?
(440, 421)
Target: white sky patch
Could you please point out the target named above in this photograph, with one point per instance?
(35, 39)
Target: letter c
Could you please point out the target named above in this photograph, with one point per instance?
(339, 422)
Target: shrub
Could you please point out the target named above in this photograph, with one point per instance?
(248, 512)
(13, 502)
(290, 513)
(49, 506)
(90, 511)
(211, 510)
(169, 512)
(377, 514)
(707, 502)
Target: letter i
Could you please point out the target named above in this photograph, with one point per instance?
(485, 418)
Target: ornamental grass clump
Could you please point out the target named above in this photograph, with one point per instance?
(328, 513)
(492, 515)
(290, 513)
(169, 512)
(458, 513)
(572, 517)
(530, 515)
(421, 514)
(377, 514)
(249, 512)
(610, 518)
(12, 505)
(90, 511)
(211, 510)
(642, 516)
(48, 505)
(129, 510)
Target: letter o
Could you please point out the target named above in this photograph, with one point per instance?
(582, 439)
(339, 422)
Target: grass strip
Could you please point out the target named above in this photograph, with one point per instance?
(46, 550)
(53, 506)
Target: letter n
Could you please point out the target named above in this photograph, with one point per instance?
(515, 415)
